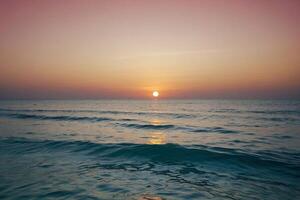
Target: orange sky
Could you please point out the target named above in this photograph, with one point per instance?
(126, 49)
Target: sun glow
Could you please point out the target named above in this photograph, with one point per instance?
(155, 94)
(157, 138)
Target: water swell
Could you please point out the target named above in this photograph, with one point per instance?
(148, 126)
(57, 118)
(135, 124)
(215, 130)
(191, 129)
(89, 119)
(268, 112)
(166, 154)
(113, 112)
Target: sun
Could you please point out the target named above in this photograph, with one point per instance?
(155, 94)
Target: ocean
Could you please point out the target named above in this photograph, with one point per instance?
(127, 149)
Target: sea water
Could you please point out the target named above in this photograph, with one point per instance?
(125, 149)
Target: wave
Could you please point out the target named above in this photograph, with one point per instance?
(63, 117)
(267, 112)
(137, 124)
(279, 112)
(89, 119)
(214, 129)
(113, 112)
(166, 153)
(192, 129)
(148, 126)
(58, 118)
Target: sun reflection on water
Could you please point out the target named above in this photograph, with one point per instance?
(155, 122)
(157, 138)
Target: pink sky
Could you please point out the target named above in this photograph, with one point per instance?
(126, 49)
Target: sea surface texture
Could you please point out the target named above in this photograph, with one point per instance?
(175, 150)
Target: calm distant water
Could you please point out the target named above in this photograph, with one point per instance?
(196, 149)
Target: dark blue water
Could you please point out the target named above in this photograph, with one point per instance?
(196, 149)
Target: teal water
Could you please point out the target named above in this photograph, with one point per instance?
(181, 149)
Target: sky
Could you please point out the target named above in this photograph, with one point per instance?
(94, 49)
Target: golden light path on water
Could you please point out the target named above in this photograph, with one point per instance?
(157, 138)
